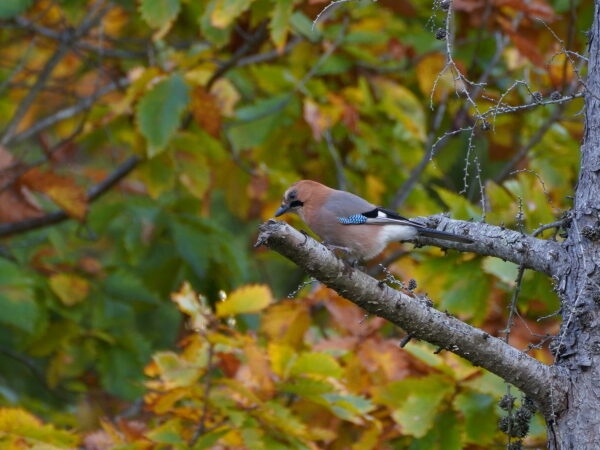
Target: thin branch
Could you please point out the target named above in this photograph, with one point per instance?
(8, 229)
(70, 111)
(68, 37)
(251, 43)
(415, 316)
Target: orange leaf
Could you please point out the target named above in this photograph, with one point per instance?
(62, 190)
(206, 111)
(16, 202)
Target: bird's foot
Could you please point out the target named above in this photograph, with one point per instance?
(337, 248)
(305, 238)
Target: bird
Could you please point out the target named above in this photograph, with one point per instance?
(349, 223)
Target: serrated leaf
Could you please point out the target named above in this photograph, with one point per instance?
(11, 8)
(313, 363)
(158, 13)
(159, 111)
(70, 288)
(282, 12)
(246, 299)
(226, 11)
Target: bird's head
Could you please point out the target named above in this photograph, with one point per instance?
(297, 195)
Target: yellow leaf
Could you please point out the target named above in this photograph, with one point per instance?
(24, 430)
(281, 356)
(260, 370)
(70, 288)
(227, 96)
(429, 69)
(192, 305)
(247, 299)
(226, 11)
(286, 322)
(177, 372)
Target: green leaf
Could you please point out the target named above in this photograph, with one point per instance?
(218, 36)
(11, 8)
(480, 419)
(444, 435)
(282, 12)
(208, 440)
(504, 270)
(317, 364)
(159, 110)
(466, 291)
(128, 287)
(70, 288)
(226, 11)
(191, 243)
(158, 13)
(168, 433)
(307, 387)
(415, 401)
(303, 25)
(17, 298)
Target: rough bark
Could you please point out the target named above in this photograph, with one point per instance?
(416, 315)
(490, 240)
(578, 345)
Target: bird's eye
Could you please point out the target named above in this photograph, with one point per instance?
(292, 195)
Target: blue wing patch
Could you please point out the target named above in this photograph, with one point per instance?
(355, 219)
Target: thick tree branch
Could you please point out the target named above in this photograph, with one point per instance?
(491, 240)
(538, 381)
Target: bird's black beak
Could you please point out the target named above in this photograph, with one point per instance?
(282, 210)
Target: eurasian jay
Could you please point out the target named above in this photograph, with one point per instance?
(349, 223)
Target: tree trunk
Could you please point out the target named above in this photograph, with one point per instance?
(578, 345)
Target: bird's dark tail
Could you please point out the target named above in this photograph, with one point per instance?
(444, 235)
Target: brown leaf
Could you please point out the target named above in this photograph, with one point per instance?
(62, 190)
(16, 202)
(206, 111)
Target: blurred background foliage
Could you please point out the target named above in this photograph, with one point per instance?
(219, 105)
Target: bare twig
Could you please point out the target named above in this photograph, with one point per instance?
(69, 112)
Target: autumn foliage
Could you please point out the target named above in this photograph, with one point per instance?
(167, 130)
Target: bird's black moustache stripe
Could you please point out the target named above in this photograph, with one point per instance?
(296, 203)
